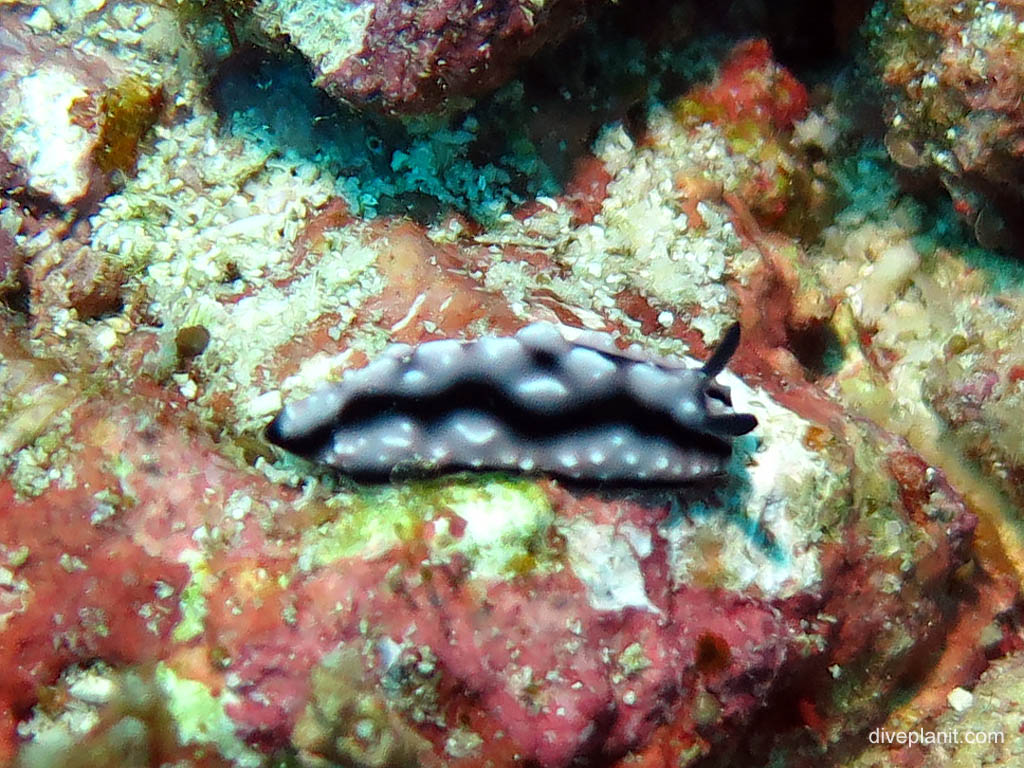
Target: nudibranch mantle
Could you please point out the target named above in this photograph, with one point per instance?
(550, 399)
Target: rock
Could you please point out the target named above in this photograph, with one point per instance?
(49, 127)
(11, 176)
(69, 276)
(94, 565)
(68, 117)
(408, 58)
(11, 262)
(490, 616)
(951, 73)
(929, 353)
(976, 392)
(983, 733)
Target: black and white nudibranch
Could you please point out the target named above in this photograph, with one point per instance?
(533, 402)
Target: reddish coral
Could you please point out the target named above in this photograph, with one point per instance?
(757, 101)
(586, 189)
(417, 58)
(91, 591)
(750, 85)
(532, 655)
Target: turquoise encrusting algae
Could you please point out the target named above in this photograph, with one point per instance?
(210, 209)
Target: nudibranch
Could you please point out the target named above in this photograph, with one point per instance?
(535, 402)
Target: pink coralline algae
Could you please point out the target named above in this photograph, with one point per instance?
(410, 57)
(478, 621)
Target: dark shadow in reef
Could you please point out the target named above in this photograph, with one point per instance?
(817, 348)
(871, 184)
(269, 95)
(807, 36)
(512, 145)
(524, 139)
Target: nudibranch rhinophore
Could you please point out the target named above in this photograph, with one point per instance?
(534, 402)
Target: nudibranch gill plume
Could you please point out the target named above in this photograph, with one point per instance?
(533, 402)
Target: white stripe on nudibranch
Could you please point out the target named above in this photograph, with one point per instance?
(499, 348)
(437, 355)
(535, 401)
(569, 460)
(541, 337)
(475, 427)
(649, 384)
(545, 391)
(414, 380)
(588, 365)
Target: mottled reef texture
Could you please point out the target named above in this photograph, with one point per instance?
(471, 619)
(953, 77)
(71, 116)
(174, 590)
(405, 57)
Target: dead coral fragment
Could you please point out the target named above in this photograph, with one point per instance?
(345, 723)
(129, 109)
(132, 724)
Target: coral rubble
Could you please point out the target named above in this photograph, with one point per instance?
(952, 74)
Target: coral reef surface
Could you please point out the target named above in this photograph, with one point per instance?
(191, 236)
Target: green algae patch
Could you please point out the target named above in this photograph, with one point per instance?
(200, 718)
(506, 528)
(193, 599)
(507, 525)
(367, 525)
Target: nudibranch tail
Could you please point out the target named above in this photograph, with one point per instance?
(531, 402)
(723, 352)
